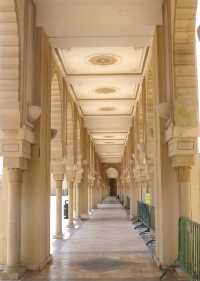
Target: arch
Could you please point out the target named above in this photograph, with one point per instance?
(56, 118)
(9, 66)
(112, 173)
(184, 52)
(70, 134)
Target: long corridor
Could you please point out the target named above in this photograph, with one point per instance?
(106, 247)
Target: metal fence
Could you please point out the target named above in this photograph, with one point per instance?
(189, 247)
(146, 214)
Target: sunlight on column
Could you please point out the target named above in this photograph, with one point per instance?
(198, 59)
(1, 166)
(1, 170)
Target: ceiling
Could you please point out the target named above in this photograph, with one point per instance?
(103, 46)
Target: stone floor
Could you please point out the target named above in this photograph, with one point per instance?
(106, 247)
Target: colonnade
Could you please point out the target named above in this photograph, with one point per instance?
(42, 132)
(160, 159)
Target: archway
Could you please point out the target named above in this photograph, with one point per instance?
(112, 175)
(70, 161)
(57, 167)
(56, 119)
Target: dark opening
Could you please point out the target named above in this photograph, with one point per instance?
(113, 187)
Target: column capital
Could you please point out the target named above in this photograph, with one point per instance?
(182, 145)
(58, 177)
(15, 147)
(91, 178)
(70, 173)
(183, 174)
(58, 167)
(141, 173)
(15, 175)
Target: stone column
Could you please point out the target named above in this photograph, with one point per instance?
(91, 196)
(184, 180)
(77, 201)
(70, 206)
(13, 226)
(59, 180)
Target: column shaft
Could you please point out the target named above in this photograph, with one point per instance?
(58, 209)
(70, 206)
(183, 176)
(14, 208)
(77, 201)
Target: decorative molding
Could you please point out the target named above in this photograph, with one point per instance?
(183, 174)
(182, 145)
(182, 161)
(164, 110)
(34, 113)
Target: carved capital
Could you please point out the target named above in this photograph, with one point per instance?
(15, 163)
(181, 146)
(78, 175)
(183, 174)
(141, 173)
(58, 167)
(16, 143)
(58, 177)
(70, 173)
(182, 143)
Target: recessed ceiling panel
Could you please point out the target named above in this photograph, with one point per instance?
(107, 107)
(105, 60)
(111, 159)
(105, 88)
(108, 124)
(108, 141)
(109, 136)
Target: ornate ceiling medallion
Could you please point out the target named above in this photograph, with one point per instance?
(105, 90)
(103, 59)
(107, 108)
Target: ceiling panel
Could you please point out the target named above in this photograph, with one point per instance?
(105, 60)
(109, 136)
(105, 88)
(107, 107)
(103, 47)
(109, 141)
(108, 124)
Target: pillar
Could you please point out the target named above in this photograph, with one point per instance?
(59, 180)
(13, 226)
(184, 181)
(77, 201)
(70, 206)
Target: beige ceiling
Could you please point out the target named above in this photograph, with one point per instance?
(103, 46)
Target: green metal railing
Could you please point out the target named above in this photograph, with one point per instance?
(189, 247)
(146, 214)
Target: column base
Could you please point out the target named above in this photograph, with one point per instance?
(40, 266)
(85, 216)
(12, 273)
(78, 219)
(70, 225)
(58, 236)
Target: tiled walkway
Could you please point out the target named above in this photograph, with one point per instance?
(104, 248)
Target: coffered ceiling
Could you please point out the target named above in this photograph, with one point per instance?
(103, 47)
